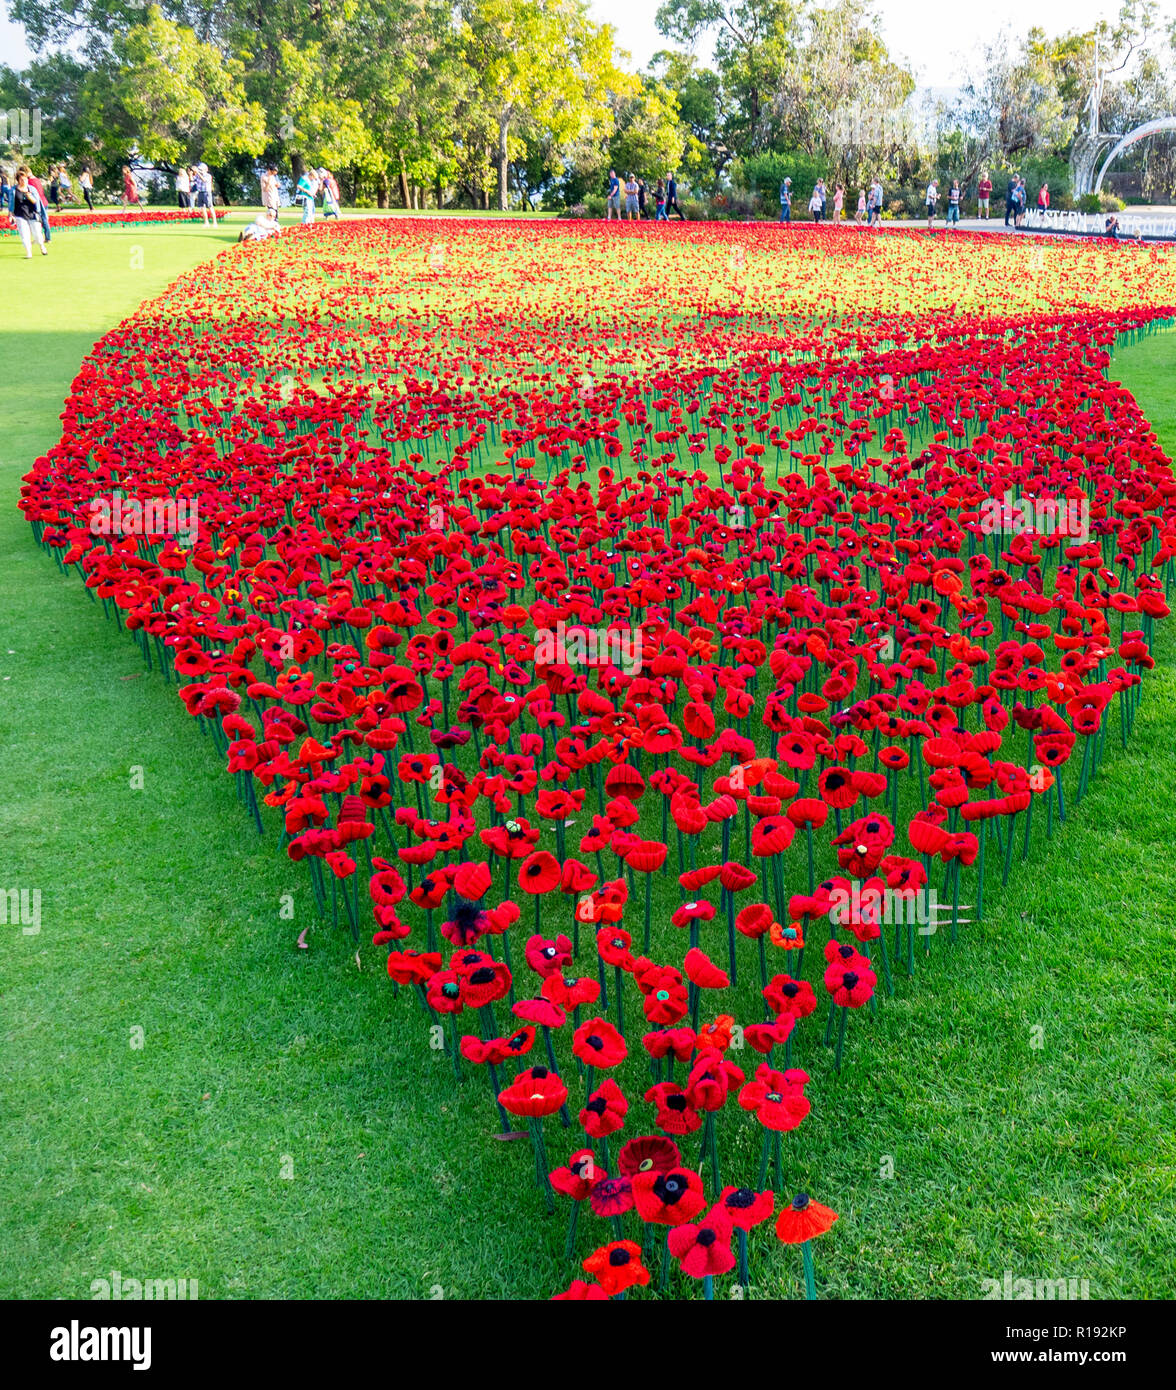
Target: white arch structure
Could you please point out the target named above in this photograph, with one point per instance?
(1141, 132)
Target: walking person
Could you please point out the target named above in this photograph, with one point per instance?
(202, 190)
(932, 199)
(305, 194)
(55, 187)
(26, 209)
(330, 194)
(1043, 199)
(983, 196)
(66, 183)
(1011, 201)
(641, 193)
(86, 181)
(824, 199)
(659, 202)
(1022, 197)
(130, 196)
(672, 197)
(953, 204)
(838, 202)
(183, 188)
(860, 216)
(786, 201)
(631, 198)
(815, 205)
(39, 189)
(612, 198)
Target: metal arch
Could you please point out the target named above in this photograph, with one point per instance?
(1141, 132)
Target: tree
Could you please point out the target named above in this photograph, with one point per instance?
(167, 96)
(542, 63)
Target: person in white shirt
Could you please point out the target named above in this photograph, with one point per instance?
(86, 180)
(932, 199)
(263, 226)
(202, 187)
(270, 197)
(183, 188)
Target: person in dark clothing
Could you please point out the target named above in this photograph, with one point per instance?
(641, 213)
(1011, 200)
(672, 198)
(26, 211)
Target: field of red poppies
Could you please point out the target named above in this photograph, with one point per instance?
(658, 638)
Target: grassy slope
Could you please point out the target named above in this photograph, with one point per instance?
(161, 912)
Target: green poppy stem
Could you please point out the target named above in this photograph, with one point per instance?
(810, 1280)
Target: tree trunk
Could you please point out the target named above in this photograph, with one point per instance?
(503, 163)
(440, 194)
(404, 196)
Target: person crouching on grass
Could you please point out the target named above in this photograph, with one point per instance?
(26, 209)
(263, 226)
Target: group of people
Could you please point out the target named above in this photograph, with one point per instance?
(23, 197)
(312, 183)
(869, 203)
(193, 190)
(631, 199)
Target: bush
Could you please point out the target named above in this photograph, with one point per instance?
(739, 204)
(1099, 202)
(592, 206)
(694, 210)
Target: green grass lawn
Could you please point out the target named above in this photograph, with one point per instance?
(284, 1128)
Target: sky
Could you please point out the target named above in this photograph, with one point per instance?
(938, 39)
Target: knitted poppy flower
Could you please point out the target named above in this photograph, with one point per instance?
(746, 1208)
(783, 994)
(703, 972)
(803, 1219)
(609, 1197)
(837, 788)
(534, 1093)
(575, 1180)
(409, 967)
(700, 911)
(678, 1041)
(486, 984)
(570, 992)
(694, 880)
(648, 1154)
(668, 1198)
(539, 872)
(771, 835)
(755, 920)
(617, 1266)
(580, 1291)
(598, 1044)
(549, 957)
(850, 980)
(539, 1011)
(710, 1079)
(612, 945)
(776, 1098)
(444, 992)
(808, 813)
(604, 1111)
(675, 1114)
(762, 1037)
(704, 1249)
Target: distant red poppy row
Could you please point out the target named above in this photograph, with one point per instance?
(69, 219)
(559, 586)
